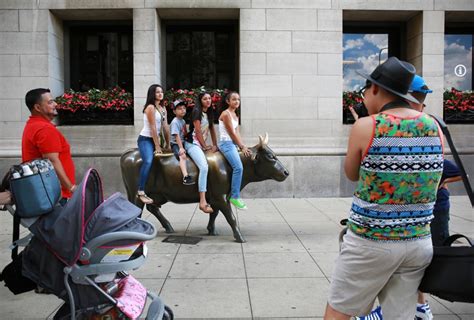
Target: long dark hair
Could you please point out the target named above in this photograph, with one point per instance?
(225, 104)
(150, 96)
(197, 112)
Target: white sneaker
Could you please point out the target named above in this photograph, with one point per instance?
(423, 312)
(376, 314)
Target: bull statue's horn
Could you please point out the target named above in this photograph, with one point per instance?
(260, 142)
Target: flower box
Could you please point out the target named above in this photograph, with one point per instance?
(95, 107)
(349, 99)
(458, 106)
(96, 117)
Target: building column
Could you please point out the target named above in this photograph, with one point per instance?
(55, 54)
(146, 56)
(433, 59)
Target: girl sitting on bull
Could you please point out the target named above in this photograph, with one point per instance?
(229, 143)
(149, 141)
(202, 124)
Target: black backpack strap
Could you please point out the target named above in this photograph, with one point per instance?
(449, 241)
(457, 159)
(16, 235)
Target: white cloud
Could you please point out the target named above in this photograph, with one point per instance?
(352, 80)
(353, 43)
(457, 54)
(379, 40)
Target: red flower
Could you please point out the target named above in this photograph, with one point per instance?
(114, 99)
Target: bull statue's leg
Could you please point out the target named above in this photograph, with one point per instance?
(224, 206)
(211, 226)
(157, 213)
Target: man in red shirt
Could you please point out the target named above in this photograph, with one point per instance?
(41, 139)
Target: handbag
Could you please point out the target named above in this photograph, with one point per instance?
(35, 188)
(450, 276)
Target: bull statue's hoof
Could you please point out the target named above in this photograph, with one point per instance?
(169, 229)
(212, 232)
(239, 239)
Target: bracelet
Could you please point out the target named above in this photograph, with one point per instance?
(73, 188)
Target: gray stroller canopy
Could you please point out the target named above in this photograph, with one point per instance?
(85, 216)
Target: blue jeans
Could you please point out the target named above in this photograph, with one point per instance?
(197, 155)
(230, 152)
(440, 226)
(146, 147)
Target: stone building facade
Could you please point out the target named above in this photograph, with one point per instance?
(290, 74)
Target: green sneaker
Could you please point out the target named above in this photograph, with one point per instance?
(238, 203)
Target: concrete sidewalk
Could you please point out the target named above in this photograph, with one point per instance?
(282, 271)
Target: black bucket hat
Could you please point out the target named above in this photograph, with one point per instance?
(395, 76)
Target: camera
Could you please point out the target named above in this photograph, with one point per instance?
(361, 110)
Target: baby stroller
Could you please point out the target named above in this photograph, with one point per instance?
(81, 252)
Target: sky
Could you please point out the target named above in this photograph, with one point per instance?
(361, 53)
(458, 50)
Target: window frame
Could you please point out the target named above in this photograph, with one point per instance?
(396, 31)
(462, 28)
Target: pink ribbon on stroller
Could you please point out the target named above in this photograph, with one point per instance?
(131, 297)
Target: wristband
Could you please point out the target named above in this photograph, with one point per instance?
(73, 188)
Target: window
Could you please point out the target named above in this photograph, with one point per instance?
(100, 68)
(101, 57)
(365, 46)
(458, 79)
(201, 55)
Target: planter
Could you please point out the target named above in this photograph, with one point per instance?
(458, 106)
(459, 117)
(96, 117)
(349, 99)
(347, 117)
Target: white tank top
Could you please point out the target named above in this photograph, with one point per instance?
(146, 131)
(223, 134)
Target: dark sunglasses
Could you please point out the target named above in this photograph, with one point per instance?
(367, 86)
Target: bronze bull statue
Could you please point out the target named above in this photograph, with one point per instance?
(165, 181)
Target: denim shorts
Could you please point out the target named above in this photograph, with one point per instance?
(175, 149)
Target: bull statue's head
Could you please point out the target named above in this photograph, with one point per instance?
(267, 165)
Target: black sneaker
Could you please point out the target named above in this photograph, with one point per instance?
(187, 181)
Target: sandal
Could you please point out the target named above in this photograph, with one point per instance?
(207, 209)
(144, 198)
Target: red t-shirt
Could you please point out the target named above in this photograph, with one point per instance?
(40, 136)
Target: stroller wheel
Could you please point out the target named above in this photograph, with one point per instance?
(168, 315)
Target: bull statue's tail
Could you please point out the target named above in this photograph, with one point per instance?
(127, 169)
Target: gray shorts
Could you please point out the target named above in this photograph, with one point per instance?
(389, 270)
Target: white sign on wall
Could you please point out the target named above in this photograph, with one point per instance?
(460, 70)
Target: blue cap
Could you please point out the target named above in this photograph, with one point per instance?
(419, 85)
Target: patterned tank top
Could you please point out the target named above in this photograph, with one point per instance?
(398, 179)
